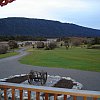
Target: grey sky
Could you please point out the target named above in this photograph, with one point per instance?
(81, 12)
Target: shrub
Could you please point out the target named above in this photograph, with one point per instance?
(66, 44)
(12, 44)
(89, 46)
(3, 49)
(28, 43)
(94, 47)
(51, 46)
(40, 45)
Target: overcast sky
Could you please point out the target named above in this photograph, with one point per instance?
(81, 12)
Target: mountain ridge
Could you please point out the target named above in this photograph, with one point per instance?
(43, 28)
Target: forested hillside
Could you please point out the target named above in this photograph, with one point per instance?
(43, 28)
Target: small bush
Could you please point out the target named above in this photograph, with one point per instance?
(94, 47)
(3, 49)
(66, 43)
(51, 46)
(89, 46)
(40, 45)
(12, 44)
(28, 43)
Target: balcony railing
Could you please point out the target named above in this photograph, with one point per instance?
(95, 95)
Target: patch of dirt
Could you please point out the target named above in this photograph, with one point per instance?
(18, 79)
(63, 83)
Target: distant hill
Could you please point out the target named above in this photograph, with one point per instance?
(43, 28)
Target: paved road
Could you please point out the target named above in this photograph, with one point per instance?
(11, 66)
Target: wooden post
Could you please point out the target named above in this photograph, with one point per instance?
(46, 96)
(74, 98)
(37, 95)
(0, 94)
(5, 94)
(94, 98)
(29, 95)
(65, 97)
(21, 94)
(13, 94)
(84, 98)
(55, 96)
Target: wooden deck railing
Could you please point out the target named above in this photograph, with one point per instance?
(56, 91)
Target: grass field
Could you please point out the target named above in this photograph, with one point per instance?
(74, 58)
(8, 54)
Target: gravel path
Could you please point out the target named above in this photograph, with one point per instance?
(11, 66)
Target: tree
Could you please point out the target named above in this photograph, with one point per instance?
(66, 44)
(12, 44)
(3, 49)
(51, 46)
(97, 40)
(40, 45)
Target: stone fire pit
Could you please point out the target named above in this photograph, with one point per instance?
(52, 81)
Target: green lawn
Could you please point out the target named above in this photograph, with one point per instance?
(8, 54)
(75, 58)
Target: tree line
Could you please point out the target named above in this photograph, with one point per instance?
(21, 38)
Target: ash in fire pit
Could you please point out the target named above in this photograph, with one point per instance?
(51, 81)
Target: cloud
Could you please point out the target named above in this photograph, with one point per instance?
(42, 6)
(75, 11)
